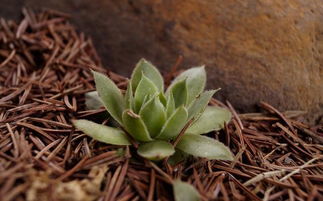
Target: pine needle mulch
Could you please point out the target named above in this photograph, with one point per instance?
(45, 71)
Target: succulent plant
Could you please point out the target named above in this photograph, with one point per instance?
(155, 118)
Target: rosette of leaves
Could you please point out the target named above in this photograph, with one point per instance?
(154, 117)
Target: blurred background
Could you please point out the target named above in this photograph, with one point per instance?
(255, 50)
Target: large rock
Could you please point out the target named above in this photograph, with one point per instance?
(255, 50)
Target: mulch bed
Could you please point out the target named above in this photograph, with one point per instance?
(45, 71)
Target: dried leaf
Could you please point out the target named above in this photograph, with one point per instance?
(93, 101)
(88, 189)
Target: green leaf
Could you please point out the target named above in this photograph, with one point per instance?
(145, 88)
(177, 157)
(129, 97)
(102, 133)
(162, 99)
(170, 106)
(135, 126)
(174, 124)
(179, 92)
(110, 95)
(202, 146)
(93, 101)
(199, 104)
(213, 118)
(144, 67)
(154, 116)
(185, 192)
(156, 150)
(196, 80)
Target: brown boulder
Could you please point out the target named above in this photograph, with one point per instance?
(255, 50)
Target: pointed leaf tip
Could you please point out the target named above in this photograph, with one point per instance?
(202, 146)
(149, 70)
(213, 118)
(110, 95)
(185, 191)
(101, 132)
(199, 104)
(196, 80)
(93, 101)
(129, 99)
(174, 124)
(180, 93)
(145, 90)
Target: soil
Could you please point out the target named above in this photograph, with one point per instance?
(45, 69)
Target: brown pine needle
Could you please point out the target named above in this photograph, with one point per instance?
(45, 69)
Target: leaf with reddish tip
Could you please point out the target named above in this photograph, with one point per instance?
(135, 126)
(156, 150)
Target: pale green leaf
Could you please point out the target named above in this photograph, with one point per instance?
(196, 80)
(200, 103)
(135, 126)
(170, 106)
(174, 124)
(213, 118)
(177, 157)
(146, 88)
(162, 99)
(93, 101)
(202, 146)
(110, 95)
(144, 67)
(154, 116)
(102, 133)
(129, 97)
(185, 192)
(179, 92)
(146, 99)
(156, 150)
